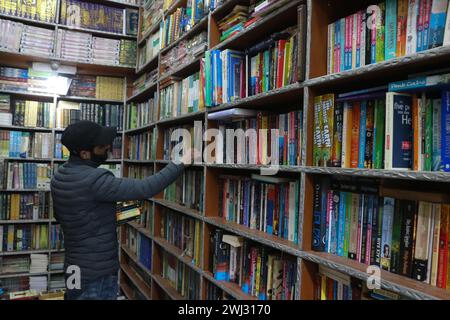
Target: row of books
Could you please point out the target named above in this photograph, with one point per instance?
(259, 271)
(180, 96)
(20, 206)
(21, 144)
(186, 51)
(142, 146)
(380, 130)
(99, 87)
(24, 237)
(147, 215)
(44, 10)
(396, 28)
(151, 16)
(187, 190)
(26, 113)
(139, 172)
(183, 232)
(406, 237)
(175, 25)
(84, 47)
(149, 49)
(185, 136)
(330, 284)
(18, 37)
(180, 277)
(259, 138)
(139, 245)
(110, 115)
(267, 204)
(14, 265)
(96, 16)
(61, 151)
(26, 175)
(144, 81)
(142, 114)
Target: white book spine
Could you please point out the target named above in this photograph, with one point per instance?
(411, 29)
(447, 28)
(435, 244)
(330, 48)
(389, 131)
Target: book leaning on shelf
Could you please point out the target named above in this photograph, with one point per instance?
(397, 28)
(362, 129)
(405, 237)
(267, 204)
(259, 271)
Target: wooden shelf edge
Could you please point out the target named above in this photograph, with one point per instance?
(165, 285)
(231, 288)
(141, 285)
(393, 282)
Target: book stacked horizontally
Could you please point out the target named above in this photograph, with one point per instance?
(39, 263)
(39, 284)
(234, 22)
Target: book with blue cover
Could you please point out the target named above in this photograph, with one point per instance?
(437, 23)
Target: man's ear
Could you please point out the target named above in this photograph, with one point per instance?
(85, 155)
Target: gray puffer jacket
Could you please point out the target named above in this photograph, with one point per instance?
(84, 199)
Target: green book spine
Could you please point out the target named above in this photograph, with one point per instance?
(428, 134)
(380, 46)
(378, 146)
(396, 233)
(208, 78)
(348, 213)
(317, 146)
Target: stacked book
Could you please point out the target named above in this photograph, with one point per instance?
(147, 79)
(234, 22)
(75, 46)
(10, 35)
(13, 79)
(109, 88)
(151, 15)
(39, 284)
(37, 41)
(10, 265)
(57, 282)
(56, 261)
(82, 86)
(39, 263)
(105, 51)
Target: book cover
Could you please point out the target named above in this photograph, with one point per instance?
(327, 128)
(421, 252)
(379, 134)
(362, 134)
(347, 135)
(356, 127)
(437, 23)
(391, 28)
(436, 135)
(442, 271)
(445, 133)
(336, 153)
(318, 132)
(380, 32)
(387, 228)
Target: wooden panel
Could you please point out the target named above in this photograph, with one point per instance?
(212, 190)
(308, 273)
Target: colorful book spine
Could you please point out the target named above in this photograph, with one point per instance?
(391, 30)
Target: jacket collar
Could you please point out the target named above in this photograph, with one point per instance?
(73, 159)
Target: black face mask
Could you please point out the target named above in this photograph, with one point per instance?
(99, 159)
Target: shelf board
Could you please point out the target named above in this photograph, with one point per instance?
(27, 94)
(141, 229)
(26, 159)
(385, 68)
(149, 65)
(33, 22)
(184, 70)
(393, 282)
(285, 11)
(18, 253)
(251, 167)
(277, 243)
(24, 190)
(127, 290)
(139, 161)
(25, 221)
(139, 283)
(196, 29)
(231, 288)
(27, 274)
(97, 32)
(276, 97)
(140, 129)
(382, 174)
(152, 87)
(20, 128)
(178, 208)
(87, 99)
(183, 118)
(165, 285)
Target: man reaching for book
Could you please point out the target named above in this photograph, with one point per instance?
(84, 201)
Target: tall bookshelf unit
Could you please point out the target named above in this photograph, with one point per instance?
(138, 281)
(20, 60)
